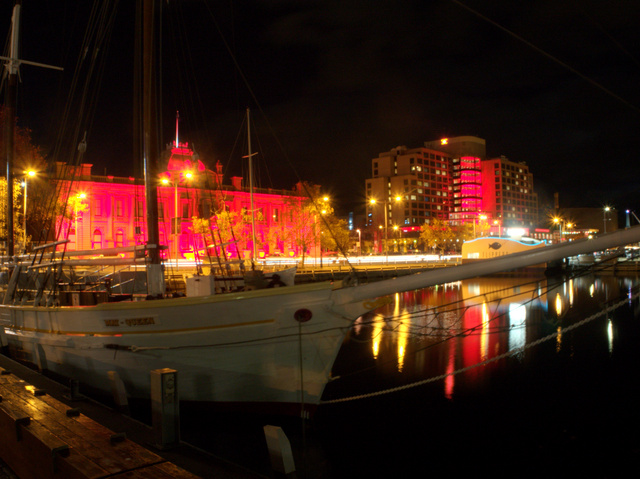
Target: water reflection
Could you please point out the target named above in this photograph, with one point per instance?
(515, 374)
(456, 331)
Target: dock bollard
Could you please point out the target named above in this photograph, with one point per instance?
(118, 391)
(74, 391)
(165, 408)
(279, 450)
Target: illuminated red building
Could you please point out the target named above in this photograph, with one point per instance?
(466, 153)
(108, 211)
(409, 186)
(509, 197)
(450, 179)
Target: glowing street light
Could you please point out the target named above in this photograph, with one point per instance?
(187, 175)
(27, 174)
(395, 231)
(478, 219)
(605, 217)
(373, 202)
(558, 222)
(79, 197)
(323, 211)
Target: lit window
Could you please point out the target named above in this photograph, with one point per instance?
(96, 241)
(119, 208)
(119, 239)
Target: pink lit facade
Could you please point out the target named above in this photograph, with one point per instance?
(450, 179)
(509, 197)
(467, 190)
(107, 211)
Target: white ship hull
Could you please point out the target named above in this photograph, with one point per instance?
(269, 347)
(233, 348)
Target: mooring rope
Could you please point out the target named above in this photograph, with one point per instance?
(515, 351)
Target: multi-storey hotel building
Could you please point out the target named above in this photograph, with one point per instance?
(449, 179)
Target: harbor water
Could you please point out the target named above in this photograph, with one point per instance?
(508, 376)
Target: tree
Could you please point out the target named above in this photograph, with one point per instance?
(335, 234)
(437, 234)
(18, 231)
(306, 218)
(304, 230)
(26, 156)
(462, 233)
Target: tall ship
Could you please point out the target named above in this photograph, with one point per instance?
(264, 348)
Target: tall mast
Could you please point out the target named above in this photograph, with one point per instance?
(150, 146)
(177, 120)
(11, 67)
(12, 63)
(253, 215)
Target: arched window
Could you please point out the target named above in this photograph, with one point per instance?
(96, 240)
(119, 238)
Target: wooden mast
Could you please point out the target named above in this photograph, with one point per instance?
(12, 64)
(253, 213)
(9, 119)
(150, 146)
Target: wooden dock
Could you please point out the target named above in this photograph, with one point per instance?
(41, 437)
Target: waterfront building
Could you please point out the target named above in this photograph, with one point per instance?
(508, 194)
(195, 209)
(467, 153)
(450, 179)
(409, 186)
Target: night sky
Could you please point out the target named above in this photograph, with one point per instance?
(553, 83)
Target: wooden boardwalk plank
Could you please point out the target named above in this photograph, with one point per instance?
(38, 439)
(95, 447)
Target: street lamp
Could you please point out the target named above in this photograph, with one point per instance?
(323, 209)
(395, 231)
(27, 174)
(482, 218)
(373, 201)
(558, 221)
(79, 198)
(359, 242)
(605, 217)
(187, 175)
